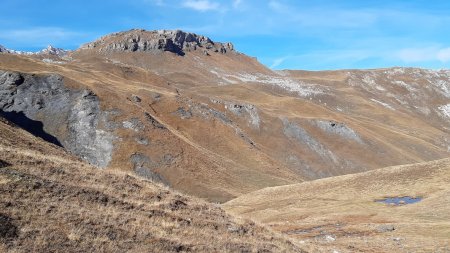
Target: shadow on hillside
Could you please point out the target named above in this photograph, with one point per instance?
(33, 126)
(4, 164)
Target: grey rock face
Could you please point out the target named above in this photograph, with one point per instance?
(183, 113)
(340, 129)
(134, 124)
(385, 228)
(53, 51)
(143, 166)
(142, 140)
(295, 132)
(136, 99)
(245, 110)
(44, 106)
(174, 41)
(206, 112)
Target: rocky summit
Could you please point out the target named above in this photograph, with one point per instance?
(175, 41)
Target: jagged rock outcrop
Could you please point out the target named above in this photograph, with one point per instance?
(174, 41)
(67, 117)
(53, 51)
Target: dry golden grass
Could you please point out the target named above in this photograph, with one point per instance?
(344, 209)
(208, 163)
(52, 202)
(213, 160)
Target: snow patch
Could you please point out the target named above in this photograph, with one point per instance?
(282, 81)
(444, 87)
(46, 60)
(409, 87)
(301, 88)
(383, 104)
(370, 81)
(223, 77)
(445, 110)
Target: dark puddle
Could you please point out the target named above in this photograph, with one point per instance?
(398, 201)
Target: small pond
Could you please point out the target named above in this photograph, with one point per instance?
(397, 201)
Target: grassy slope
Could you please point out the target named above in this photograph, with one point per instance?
(344, 209)
(213, 160)
(209, 164)
(50, 201)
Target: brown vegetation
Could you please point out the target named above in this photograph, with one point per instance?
(52, 202)
(342, 213)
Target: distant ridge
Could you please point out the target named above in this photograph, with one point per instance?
(48, 50)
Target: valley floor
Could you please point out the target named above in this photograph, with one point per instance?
(346, 213)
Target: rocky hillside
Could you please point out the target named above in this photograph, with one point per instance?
(53, 202)
(204, 119)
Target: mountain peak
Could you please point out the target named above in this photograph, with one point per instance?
(48, 50)
(175, 41)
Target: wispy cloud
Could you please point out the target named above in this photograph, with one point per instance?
(278, 6)
(415, 55)
(236, 3)
(40, 36)
(278, 61)
(159, 2)
(444, 55)
(201, 5)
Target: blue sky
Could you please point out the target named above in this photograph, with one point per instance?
(282, 34)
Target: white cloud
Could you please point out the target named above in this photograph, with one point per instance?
(277, 6)
(444, 55)
(39, 36)
(201, 5)
(410, 55)
(155, 2)
(277, 62)
(416, 54)
(236, 3)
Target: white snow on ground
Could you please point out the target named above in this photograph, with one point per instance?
(370, 82)
(284, 82)
(46, 60)
(409, 87)
(444, 86)
(301, 88)
(223, 77)
(445, 110)
(383, 104)
(395, 71)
